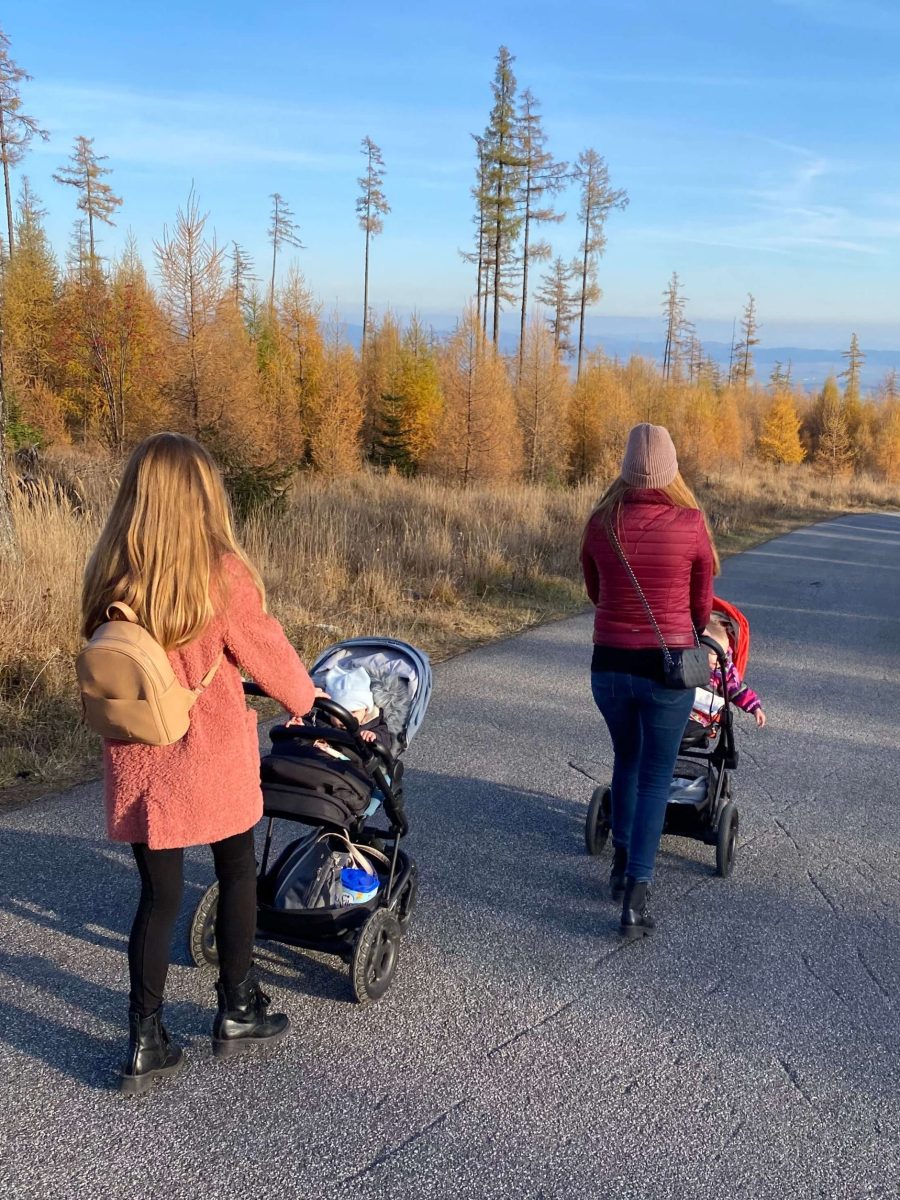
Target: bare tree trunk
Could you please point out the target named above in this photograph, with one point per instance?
(90, 215)
(498, 242)
(484, 309)
(6, 186)
(583, 305)
(524, 272)
(366, 295)
(479, 289)
(7, 531)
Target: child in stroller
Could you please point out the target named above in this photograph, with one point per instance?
(352, 690)
(303, 898)
(708, 701)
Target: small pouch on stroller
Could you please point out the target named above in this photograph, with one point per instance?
(310, 875)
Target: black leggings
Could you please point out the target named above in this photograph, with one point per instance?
(162, 884)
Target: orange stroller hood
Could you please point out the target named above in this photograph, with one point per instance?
(740, 647)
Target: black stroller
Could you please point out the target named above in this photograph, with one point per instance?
(700, 798)
(297, 902)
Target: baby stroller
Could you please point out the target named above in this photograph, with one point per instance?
(299, 897)
(700, 798)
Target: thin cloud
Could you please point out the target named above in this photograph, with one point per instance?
(209, 130)
(786, 214)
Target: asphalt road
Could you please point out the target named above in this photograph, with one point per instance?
(751, 1048)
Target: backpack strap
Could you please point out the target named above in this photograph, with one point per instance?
(128, 613)
(209, 676)
(119, 606)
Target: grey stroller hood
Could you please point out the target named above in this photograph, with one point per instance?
(400, 675)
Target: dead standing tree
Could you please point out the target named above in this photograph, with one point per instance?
(598, 199)
(282, 232)
(542, 177)
(16, 128)
(371, 208)
(96, 199)
(190, 269)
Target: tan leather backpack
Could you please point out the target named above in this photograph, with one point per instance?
(129, 692)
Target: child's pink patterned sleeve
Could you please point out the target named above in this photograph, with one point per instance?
(740, 694)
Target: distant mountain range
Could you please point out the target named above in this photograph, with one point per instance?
(809, 367)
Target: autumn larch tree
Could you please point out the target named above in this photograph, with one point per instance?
(378, 374)
(779, 440)
(16, 127)
(96, 198)
(282, 232)
(742, 369)
(556, 294)
(478, 437)
(541, 393)
(500, 182)
(118, 351)
(337, 417)
(30, 295)
(419, 387)
(598, 199)
(833, 444)
(190, 268)
(542, 178)
(299, 319)
(371, 208)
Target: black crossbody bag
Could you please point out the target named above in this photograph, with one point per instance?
(681, 668)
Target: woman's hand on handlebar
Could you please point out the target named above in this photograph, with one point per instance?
(317, 692)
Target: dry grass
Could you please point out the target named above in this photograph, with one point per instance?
(443, 568)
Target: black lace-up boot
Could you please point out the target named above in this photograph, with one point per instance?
(617, 874)
(151, 1054)
(636, 919)
(243, 1021)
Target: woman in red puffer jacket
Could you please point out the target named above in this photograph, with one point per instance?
(665, 538)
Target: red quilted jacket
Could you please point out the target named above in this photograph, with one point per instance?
(670, 553)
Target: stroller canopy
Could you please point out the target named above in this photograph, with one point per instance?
(739, 627)
(400, 675)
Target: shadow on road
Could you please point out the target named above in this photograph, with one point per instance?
(505, 882)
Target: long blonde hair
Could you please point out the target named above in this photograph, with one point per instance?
(161, 548)
(609, 507)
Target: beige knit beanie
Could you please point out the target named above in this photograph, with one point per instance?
(650, 460)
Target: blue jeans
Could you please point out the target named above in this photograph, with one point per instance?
(646, 722)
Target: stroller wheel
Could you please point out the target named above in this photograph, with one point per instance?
(726, 840)
(599, 820)
(375, 956)
(202, 937)
(407, 903)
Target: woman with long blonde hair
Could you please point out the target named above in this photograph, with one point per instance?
(648, 523)
(168, 551)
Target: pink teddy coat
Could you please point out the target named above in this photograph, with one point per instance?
(206, 787)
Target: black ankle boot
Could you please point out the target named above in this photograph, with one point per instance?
(617, 874)
(636, 919)
(151, 1054)
(242, 1021)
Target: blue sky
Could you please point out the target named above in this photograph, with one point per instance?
(758, 141)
